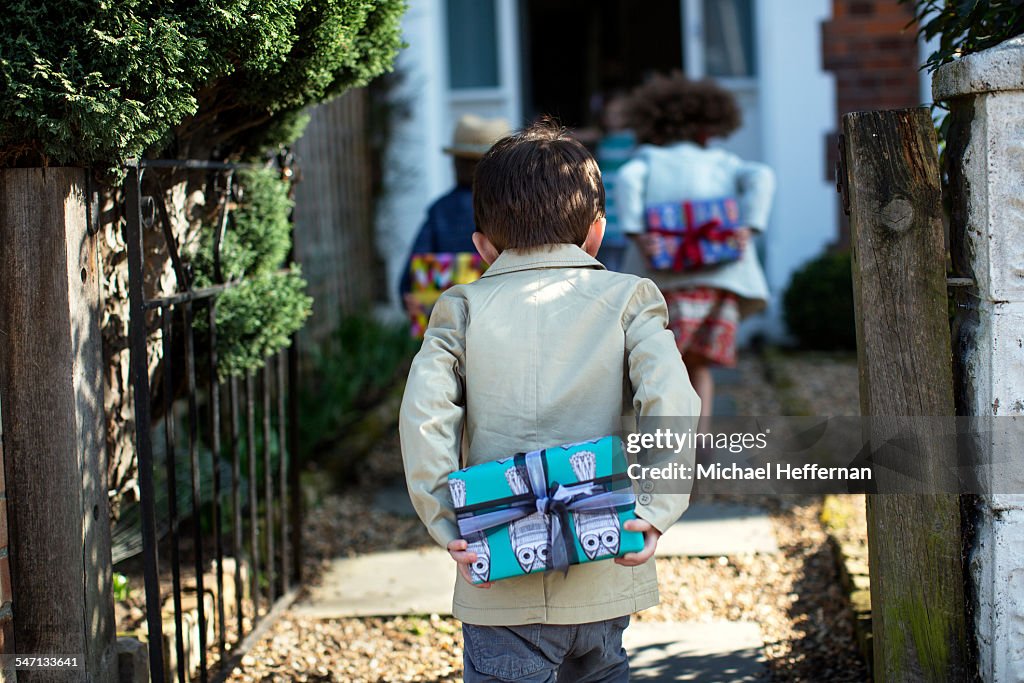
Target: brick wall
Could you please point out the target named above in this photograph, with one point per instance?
(874, 56)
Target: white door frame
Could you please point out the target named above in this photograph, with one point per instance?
(747, 89)
(506, 99)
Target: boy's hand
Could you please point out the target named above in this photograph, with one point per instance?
(412, 305)
(743, 236)
(464, 558)
(651, 244)
(651, 536)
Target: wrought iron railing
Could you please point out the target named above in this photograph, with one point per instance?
(263, 521)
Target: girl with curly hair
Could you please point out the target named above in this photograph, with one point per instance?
(674, 118)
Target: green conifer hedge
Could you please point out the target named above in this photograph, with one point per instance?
(94, 82)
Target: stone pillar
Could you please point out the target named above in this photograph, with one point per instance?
(985, 151)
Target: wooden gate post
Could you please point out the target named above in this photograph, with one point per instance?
(917, 597)
(985, 152)
(52, 387)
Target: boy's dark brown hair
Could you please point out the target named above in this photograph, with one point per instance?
(673, 108)
(538, 186)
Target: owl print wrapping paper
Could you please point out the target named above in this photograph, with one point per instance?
(546, 510)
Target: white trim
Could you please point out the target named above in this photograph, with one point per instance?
(473, 94)
(762, 46)
(507, 95)
(510, 55)
(693, 37)
(441, 48)
(738, 83)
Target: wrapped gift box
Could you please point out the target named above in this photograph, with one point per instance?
(546, 509)
(694, 234)
(433, 273)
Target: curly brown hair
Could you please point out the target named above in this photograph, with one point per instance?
(673, 108)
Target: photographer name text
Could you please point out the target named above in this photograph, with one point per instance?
(717, 471)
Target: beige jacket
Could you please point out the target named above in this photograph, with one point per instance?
(547, 348)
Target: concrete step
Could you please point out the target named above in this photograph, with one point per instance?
(720, 651)
(384, 584)
(726, 377)
(723, 406)
(714, 529)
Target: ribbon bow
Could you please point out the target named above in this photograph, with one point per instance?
(688, 254)
(556, 501)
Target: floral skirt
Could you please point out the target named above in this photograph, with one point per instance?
(704, 322)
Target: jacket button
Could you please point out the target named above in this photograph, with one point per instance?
(647, 486)
(644, 499)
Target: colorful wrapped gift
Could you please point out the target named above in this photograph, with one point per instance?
(433, 273)
(546, 509)
(695, 234)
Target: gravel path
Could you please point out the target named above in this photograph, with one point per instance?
(794, 595)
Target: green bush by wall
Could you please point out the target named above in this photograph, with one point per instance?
(818, 304)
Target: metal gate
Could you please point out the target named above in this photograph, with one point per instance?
(248, 509)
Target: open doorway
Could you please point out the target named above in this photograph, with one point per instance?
(575, 51)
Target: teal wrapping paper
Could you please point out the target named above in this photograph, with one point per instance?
(546, 509)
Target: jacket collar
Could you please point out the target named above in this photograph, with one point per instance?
(548, 256)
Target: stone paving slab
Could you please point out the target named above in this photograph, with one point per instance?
(723, 405)
(384, 584)
(720, 651)
(714, 529)
(726, 377)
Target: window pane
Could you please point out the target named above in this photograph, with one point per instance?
(729, 38)
(472, 44)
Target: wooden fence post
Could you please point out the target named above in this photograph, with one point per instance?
(917, 590)
(54, 447)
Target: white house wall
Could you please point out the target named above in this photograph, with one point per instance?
(798, 111)
(415, 170)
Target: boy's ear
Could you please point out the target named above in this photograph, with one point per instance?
(595, 236)
(484, 247)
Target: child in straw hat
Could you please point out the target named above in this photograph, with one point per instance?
(449, 226)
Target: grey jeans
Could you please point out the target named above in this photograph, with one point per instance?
(546, 653)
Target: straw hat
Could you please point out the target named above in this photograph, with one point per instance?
(474, 135)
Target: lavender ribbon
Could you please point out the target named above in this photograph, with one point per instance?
(556, 502)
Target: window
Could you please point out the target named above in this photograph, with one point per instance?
(472, 44)
(729, 38)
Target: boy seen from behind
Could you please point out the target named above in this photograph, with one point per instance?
(547, 348)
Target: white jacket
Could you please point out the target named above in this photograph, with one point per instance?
(685, 171)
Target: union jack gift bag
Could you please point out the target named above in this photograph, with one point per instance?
(694, 234)
(433, 273)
